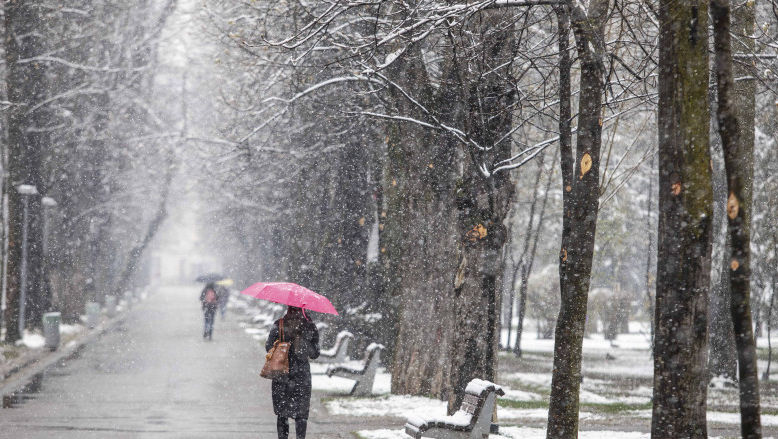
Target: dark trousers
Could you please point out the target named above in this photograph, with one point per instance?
(210, 313)
(300, 425)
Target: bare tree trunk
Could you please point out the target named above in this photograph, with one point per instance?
(723, 353)
(581, 191)
(27, 140)
(418, 240)
(736, 118)
(649, 253)
(685, 223)
(482, 205)
(766, 375)
(526, 266)
(154, 225)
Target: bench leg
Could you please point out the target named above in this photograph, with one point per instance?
(363, 387)
(483, 424)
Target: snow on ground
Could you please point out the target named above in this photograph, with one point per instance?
(637, 338)
(543, 380)
(520, 395)
(251, 331)
(343, 386)
(65, 329)
(717, 417)
(504, 413)
(404, 406)
(400, 406)
(515, 433)
(32, 340)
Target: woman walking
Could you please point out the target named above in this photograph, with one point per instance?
(292, 392)
(209, 298)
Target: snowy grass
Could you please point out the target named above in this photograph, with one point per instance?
(398, 406)
(514, 433)
(342, 386)
(404, 406)
(31, 340)
(65, 329)
(718, 417)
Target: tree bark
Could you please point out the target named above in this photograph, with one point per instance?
(418, 240)
(580, 188)
(735, 114)
(685, 222)
(723, 353)
(482, 205)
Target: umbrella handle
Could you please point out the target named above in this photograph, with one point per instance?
(304, 315)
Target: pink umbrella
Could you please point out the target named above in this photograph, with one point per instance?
(287, 293)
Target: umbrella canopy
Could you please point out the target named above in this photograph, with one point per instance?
(287, 293)
(210, 277)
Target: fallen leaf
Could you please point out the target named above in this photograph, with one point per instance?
(734, 265)
(676, 188)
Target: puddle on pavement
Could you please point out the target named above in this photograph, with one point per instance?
(25, 394)
(29, 391)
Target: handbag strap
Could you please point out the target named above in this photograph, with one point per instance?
(282, 330)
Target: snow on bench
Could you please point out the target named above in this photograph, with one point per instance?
(364, 375)
(473, 420)
(339, 352)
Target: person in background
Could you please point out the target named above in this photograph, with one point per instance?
(292, 392)
(209, 298)
(224, 296)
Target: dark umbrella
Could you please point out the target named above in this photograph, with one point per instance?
(210, 277)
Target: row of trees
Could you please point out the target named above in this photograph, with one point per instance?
(379, 151)
(81, 129)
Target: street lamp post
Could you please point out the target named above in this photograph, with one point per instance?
(47, 202)
(25, 190)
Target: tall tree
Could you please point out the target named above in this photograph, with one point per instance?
(418, 243)
(581, 192)
(685, 222)
(735, 114)
(27, 141)
(483, 200)
(723, 353)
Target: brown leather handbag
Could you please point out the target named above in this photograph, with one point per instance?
(277, 359)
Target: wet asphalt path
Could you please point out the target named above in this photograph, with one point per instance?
(155, 376)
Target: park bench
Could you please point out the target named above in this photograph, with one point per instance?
(339, 352)
(363, 375)
(473, 420)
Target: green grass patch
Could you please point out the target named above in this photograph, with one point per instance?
(616, 407)
(522, 404)
(10, 354)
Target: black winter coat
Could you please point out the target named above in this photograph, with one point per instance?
(292, 393)
(209, 306)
